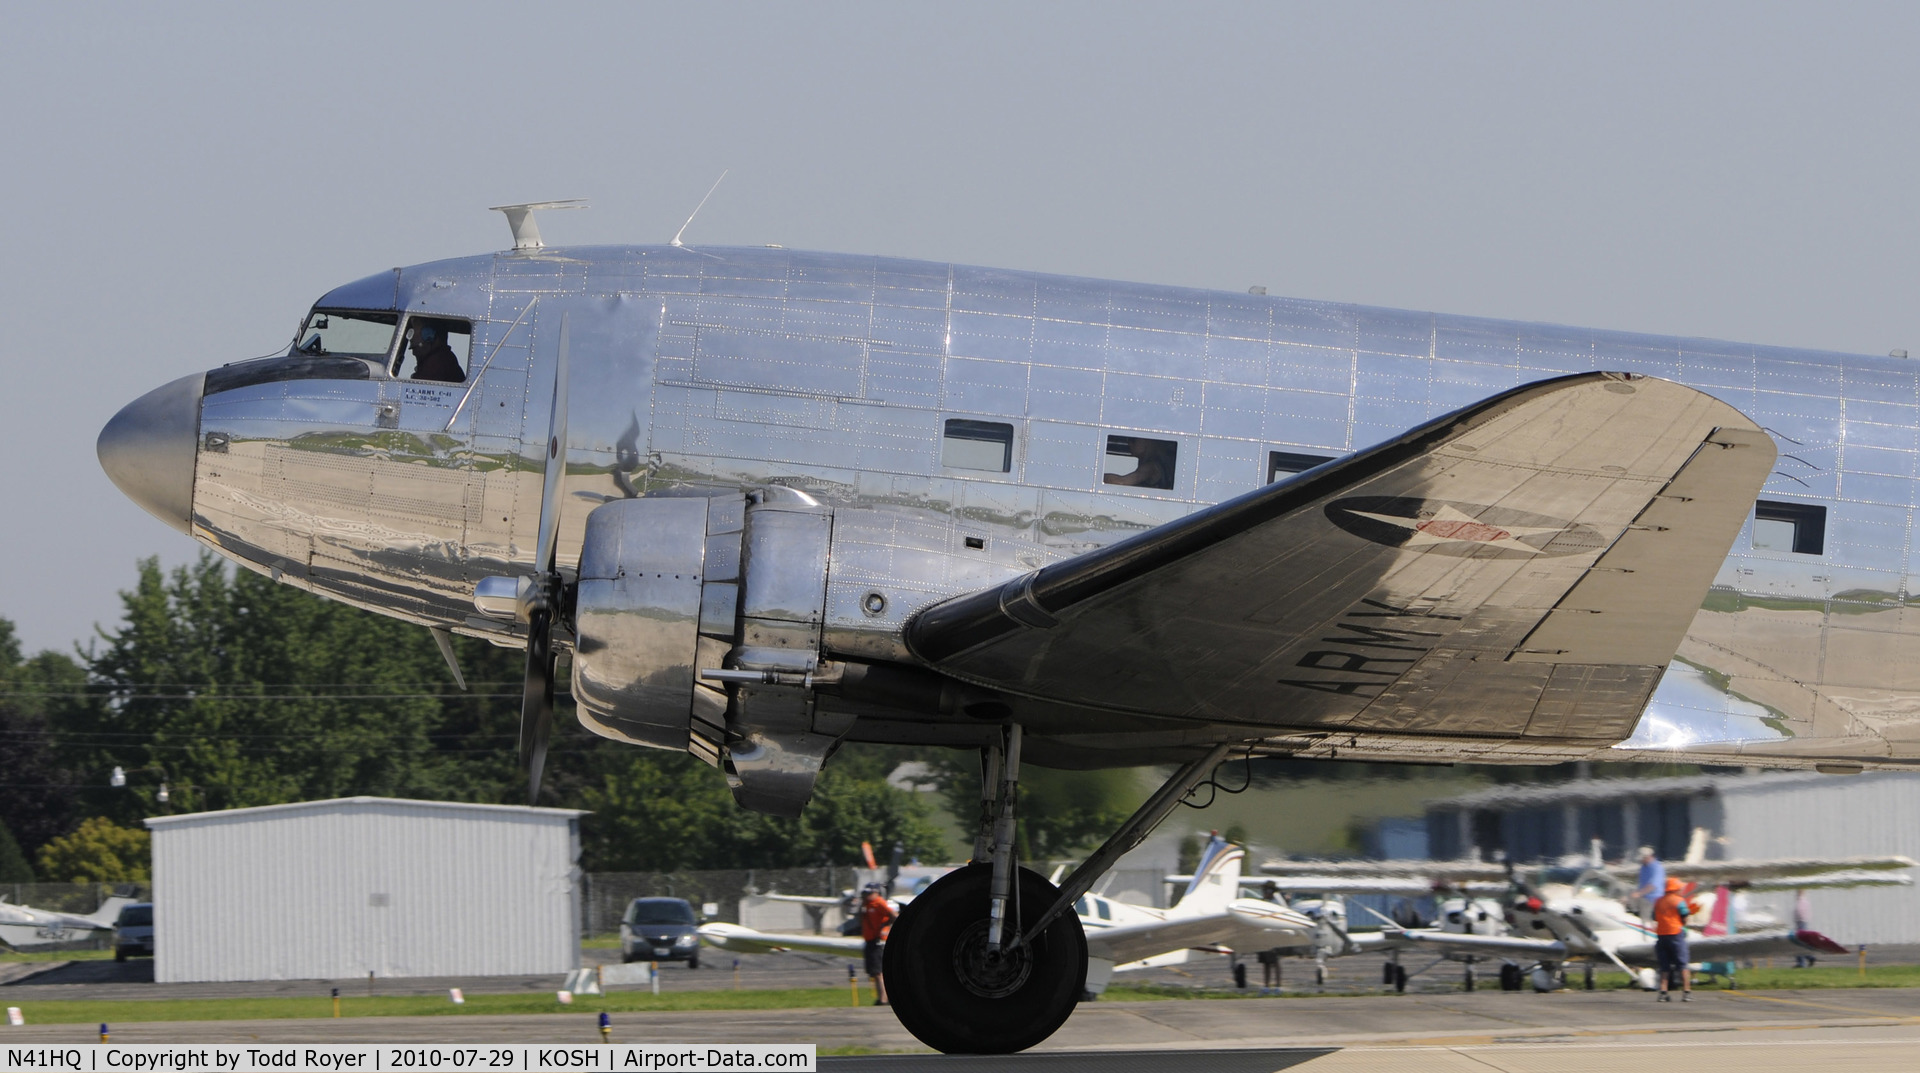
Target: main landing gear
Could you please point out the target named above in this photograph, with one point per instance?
(991, 958)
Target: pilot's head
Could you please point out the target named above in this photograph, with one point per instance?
(426, 335)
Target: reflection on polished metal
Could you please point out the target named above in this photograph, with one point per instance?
(1526, 548)
(148, 450)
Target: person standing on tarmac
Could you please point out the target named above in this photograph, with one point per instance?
(876, 920)
(1670, 940)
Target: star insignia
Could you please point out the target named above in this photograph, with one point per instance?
(1450, 525)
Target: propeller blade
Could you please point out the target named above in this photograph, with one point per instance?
(556, 467)
(536, 701)
(536, 696)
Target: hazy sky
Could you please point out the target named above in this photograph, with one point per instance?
(179, 181)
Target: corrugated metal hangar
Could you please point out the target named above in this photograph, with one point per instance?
(1793, 814)
(333, 889)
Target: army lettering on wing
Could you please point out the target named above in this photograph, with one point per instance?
(1362, 651)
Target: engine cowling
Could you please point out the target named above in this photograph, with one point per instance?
(698, 626)
(657, 597)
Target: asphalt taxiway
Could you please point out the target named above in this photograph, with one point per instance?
(1566, 1032)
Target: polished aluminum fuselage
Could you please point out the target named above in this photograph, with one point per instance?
(834, 374)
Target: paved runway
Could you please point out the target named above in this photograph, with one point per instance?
(1568, 1032)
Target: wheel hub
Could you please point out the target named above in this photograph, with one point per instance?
(985, 972)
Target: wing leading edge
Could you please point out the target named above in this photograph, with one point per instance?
(1524, 567)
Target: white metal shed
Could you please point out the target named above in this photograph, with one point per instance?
(358, 885)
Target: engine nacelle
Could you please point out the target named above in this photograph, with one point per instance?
(698, 625)
(658, 589)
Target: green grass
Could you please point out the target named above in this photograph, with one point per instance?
(80, 1011)
(1823, 976)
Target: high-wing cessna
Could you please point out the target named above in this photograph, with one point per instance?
(23, 927)
(761, 502)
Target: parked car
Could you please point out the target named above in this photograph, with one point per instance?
(133, 931)
(660, 929)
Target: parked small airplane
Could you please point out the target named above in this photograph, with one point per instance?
(766, 502)
(1121, 936)
(1569, 913)
(24, 927)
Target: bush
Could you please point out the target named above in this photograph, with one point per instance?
(98, 851)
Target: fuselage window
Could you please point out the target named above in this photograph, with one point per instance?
(436, 348)
(1140, 462)
(1795, 527)
(1282, 463)
(361, 335)
(986, 445)
(1105, 910)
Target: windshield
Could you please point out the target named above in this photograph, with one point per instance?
(136, 916)
(331, 331)
(659, 911)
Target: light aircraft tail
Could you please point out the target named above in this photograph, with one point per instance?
(108, 912)
(1216, 880)
(1717, 922)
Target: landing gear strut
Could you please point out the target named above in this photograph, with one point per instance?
(991, 959)
(967, 969)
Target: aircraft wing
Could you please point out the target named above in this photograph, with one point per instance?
(1831, 880)
(1412, 886)
(1776, 868)
(741, 940)
(1520, 569)
(1244, 925)
(1488, 945)
(823, 901)
(1445, 872)
(1747, 945)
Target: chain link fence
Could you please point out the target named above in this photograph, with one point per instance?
(606, 894)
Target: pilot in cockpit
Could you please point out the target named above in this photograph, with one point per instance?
(433, 359)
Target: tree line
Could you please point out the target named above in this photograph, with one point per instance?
(232, 691)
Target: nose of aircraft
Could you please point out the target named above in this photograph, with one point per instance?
(148, 450)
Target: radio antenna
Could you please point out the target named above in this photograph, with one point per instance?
(696, 210)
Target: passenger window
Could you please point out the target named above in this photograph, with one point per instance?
(1140, 462)
(1106, 911)
(435, 348)
(1795, 527)
(1282, 463)
(333, 331)
(985, 445)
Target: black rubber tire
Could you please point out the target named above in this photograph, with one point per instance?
(1400, 978)
(948, 1014)
(693, 962)
(1510, 977)
(119, 955)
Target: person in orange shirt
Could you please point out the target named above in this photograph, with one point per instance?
(1670, 940)
(876, 919)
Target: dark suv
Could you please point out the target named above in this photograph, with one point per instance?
(660, 929)
(133, 931)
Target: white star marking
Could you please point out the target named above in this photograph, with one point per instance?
(1450, 525)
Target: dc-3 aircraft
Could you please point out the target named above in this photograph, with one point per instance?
(762, 502)
(23, 927)
(1573, 913)
(1120, 936)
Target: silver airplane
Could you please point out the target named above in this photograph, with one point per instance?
(753, 503)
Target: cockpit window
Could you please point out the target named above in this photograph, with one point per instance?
(333, 331)
(435, 348)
